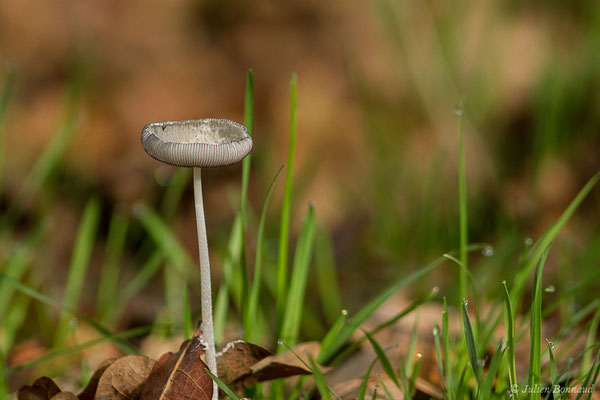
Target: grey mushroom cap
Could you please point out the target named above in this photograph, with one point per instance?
(200, 143)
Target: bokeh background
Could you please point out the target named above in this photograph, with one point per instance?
(378, 86)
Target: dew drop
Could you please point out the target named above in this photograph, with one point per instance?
(419, 355)
(528, 242)
(504, 282)
(458, 110)
(344, 312)
(509, 394)
(465, 302)
(550, 289)
(435, 289)
(488, 251)
(436, 330)
(551, 344)
(280, 342)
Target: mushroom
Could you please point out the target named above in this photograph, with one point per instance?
(199, 144)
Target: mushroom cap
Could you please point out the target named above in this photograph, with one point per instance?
(201, 143)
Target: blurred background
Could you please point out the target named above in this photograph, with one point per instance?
(378, 86)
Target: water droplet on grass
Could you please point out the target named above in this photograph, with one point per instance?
(419, 355)
(488, 251)
(458, 110)
(280, 341)
(551, 344)
(436, 330)
(504, 282)
(550, 289)
(528, 242)
(465, 302)
(344, 312)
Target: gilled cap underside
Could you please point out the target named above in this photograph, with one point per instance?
(197, 143)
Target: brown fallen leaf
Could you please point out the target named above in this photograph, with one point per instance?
(180, 376)
(281, 365)
(42, 389)
(90, 390)
(64, 396)
(237, 358)
(124, 378)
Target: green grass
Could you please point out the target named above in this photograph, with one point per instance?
(282, 259)
(286, 310)
(80, 259)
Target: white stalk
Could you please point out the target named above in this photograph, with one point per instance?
(207, 319)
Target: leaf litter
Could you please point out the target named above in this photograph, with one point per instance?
(180, 375)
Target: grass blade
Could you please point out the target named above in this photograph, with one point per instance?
(164, 238)
(553, 368)
(357, 320)
(471, 346)
(82, 251)
(141, 279)
(492, 370)
(322, 387)
(284, 230)
(126, 347)
(591, 338)
(116, 337)
(546, 239)
(383, 360)
(385, 389)
(362, 390)
(438, 351)
(54, 151)
(593, 372)
(243, 273)
(410, 353)
(462, 201)
(230, 284)
(535, 329)
(414, 374)
(326, 275)
(510, 341)
(332, 334)
(16, 266)
(258, 266)
(335, 329)
(222, 385)
(295, 298)
(109, 277)
(446, 346)
(179, 182)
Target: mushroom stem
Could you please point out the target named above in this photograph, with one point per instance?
(207, 319)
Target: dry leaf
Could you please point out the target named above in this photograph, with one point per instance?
(236, 358)
(64, 396)
(180, 376)
(42, 389)
(124, 378)
(90, 390)
(281, 365)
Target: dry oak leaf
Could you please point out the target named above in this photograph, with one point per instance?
(282, 365)
(180, 376)
(90, 390)
(236, 358)
(123, 378)
(42, 389)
